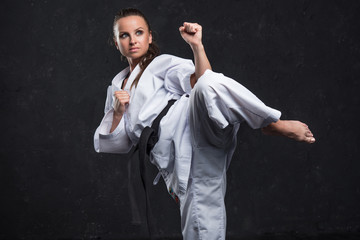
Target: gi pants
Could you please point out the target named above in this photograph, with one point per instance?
(217, 106)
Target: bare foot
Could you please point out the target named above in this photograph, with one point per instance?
(292, 129)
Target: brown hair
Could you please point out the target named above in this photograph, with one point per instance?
(153, 50)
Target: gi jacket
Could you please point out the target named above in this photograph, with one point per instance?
(166, 77)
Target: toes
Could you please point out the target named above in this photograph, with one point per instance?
(309, 134)
(310, 140)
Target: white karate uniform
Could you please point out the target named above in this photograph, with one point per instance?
(197, 137)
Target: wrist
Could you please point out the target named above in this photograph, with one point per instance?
(117, 115)
(197, 47)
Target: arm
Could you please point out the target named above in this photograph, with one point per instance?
(115, 142)
(192, 34)
(110, 136)
(122, 98)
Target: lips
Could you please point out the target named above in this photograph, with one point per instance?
(134, 49)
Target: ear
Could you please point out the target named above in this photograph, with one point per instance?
(116, 44)
(150, 37)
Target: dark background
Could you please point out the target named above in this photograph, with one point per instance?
(301, 57)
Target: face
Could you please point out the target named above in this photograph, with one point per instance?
(132, 37)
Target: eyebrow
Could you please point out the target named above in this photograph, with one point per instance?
(139, 28)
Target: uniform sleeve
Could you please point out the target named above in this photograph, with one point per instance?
(115, 142)
(177, 76)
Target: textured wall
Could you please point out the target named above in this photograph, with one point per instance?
(301, 57)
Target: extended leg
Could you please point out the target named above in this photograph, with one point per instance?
(218, 105)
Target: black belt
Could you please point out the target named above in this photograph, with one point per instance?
(148, 139)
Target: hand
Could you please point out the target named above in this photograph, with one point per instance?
(122, 98)
(191, 33)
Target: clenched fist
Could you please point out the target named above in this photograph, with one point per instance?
(191, 33)
(122, 99)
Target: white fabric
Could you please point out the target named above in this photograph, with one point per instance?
(217, 106)
(167, 77)
(197, 136)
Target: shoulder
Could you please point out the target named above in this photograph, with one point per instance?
(168, 61)
(170, 58)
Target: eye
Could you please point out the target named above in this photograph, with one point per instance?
(139, 32)
(123, 35)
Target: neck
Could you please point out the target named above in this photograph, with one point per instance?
(133, 63)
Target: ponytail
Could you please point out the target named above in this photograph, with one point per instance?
(153, 52)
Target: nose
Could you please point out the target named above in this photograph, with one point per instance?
(132, 40)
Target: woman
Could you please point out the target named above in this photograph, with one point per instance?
(197, 137)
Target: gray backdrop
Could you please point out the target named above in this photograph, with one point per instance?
(301, 57)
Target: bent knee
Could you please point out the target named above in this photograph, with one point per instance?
(207, 83)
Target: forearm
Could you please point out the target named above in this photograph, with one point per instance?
(114, 142)
(201, 61)
(192, 34)
(122, 98)
(116, 120)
